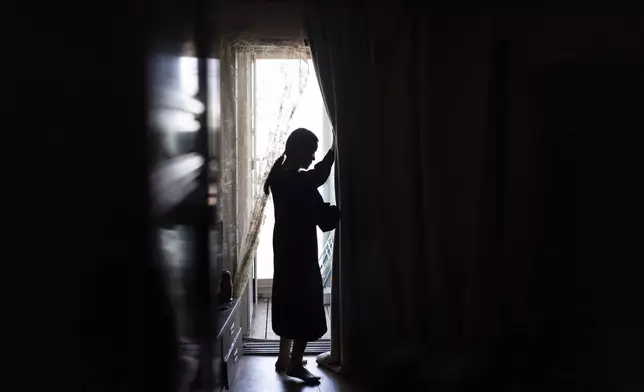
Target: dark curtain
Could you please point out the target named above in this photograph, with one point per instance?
(384, 97)
(321, 39)
(453, 235)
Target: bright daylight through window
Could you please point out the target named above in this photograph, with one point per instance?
(310, 113)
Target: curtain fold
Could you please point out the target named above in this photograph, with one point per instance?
(341, 53)
(317, 39)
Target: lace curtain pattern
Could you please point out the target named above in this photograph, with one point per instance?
(244, 166)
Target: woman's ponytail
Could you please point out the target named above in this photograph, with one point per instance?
(271, 174)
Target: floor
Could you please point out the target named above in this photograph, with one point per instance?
(257, 373)
(261, 326)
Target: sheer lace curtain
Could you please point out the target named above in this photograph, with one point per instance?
(245, 162)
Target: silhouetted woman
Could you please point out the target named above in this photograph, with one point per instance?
(297, 298)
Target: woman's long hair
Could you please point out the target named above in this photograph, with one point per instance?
(271, 174)
(298, 141)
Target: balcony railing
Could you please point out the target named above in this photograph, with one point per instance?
(326, 260)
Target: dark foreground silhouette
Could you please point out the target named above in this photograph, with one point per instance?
(297, 298)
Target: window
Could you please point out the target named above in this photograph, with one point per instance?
(273, 74)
